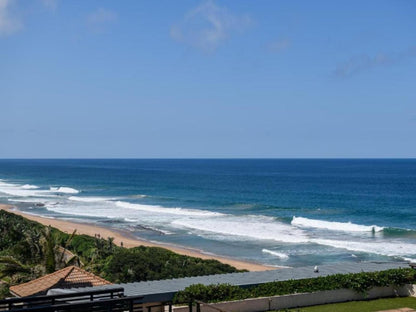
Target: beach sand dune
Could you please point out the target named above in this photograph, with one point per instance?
(130, 241)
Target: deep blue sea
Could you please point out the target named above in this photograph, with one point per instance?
(283, 212)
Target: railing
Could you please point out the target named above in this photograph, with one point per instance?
(199, 303)
(43, 302)
(131, 304)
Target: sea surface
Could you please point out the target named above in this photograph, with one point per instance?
(282, 212)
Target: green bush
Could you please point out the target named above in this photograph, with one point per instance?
(153, 263)
(360, 282)
(211, 293)
(24, 241)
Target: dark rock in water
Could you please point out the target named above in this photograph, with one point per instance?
(142, 228)
(40, 205)
(112, 221)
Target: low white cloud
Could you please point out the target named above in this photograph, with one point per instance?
(207, 26)
(364, 62)
(8, 23)
(100, 19)
(279, 45)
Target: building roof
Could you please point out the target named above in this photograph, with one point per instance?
(164, 290)
(68, 277)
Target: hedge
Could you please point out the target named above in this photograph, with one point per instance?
(360, 282)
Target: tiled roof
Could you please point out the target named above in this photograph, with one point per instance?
(68, 277)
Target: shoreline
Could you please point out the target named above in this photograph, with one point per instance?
(130, 241)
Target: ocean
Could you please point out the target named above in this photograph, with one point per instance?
(281, 212)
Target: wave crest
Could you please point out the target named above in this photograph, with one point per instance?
(334, 226)
(64, 189)
(280, 255)
(164, 210)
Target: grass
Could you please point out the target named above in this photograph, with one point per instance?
(362, 306)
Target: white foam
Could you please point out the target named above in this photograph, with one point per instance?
(64, 189)
(334, 226)
(131, 220)
(411, 260)
(32, 200)
(280, 255)
(165, 210)
(20, 191)
(252, 227)
(386, 248)
(90, 199)
(138, 196)
(29, 187)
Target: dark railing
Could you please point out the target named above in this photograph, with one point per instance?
(131, 304)
(110, 299)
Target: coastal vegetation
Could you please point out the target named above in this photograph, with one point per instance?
(360, 282)
(29, 250)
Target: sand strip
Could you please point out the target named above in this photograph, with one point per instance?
(130, 241)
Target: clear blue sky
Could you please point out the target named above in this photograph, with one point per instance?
(207, 78)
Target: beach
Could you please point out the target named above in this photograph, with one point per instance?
(130, 241)
(273, 212)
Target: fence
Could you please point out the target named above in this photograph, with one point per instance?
(110, 300)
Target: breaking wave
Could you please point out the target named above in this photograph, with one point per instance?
(334, 226)
(253, 227)
(381, 247)
(165, 210)
(64, 189)
(279, 255)
(90, 199)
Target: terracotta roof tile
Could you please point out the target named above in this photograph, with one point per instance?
(68, 277)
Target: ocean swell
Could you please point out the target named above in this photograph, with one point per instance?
(334, 226)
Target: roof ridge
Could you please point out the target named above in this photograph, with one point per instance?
(69, 272)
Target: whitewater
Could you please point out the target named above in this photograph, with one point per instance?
(278, 212)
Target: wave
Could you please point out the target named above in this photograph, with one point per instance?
(64, 189)
(252, 227)
(90, 199)
(138, 196)
(29, 187)
(165, 210)
(385, 248)
(34, 200)
(411, 260)
(280, 255)
(21, 190)
(334, 226)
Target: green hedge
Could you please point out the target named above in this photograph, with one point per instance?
(360, 282)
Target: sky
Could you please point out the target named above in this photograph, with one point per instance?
(207, 79)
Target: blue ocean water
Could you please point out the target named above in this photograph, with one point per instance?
(288, 212)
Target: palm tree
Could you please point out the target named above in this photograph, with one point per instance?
(63, 260)
(10, 266)
(49, 247)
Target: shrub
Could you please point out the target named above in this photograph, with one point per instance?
(360, 282)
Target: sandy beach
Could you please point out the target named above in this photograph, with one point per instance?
(129, 241)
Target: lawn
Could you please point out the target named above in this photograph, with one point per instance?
(363, 306)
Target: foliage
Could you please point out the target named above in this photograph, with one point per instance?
(153, 263)
(360, 282)
(211, 293)
(29, 250)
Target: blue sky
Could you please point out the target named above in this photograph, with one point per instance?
(171, 79)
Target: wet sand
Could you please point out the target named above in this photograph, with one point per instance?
(130, 241)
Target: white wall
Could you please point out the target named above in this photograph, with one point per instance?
(303, 300)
